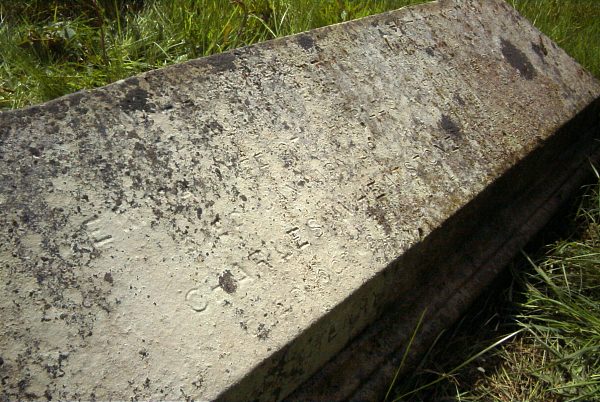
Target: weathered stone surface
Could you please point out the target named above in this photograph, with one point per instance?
(225, 226)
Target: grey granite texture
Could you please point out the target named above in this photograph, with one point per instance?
(225, 226)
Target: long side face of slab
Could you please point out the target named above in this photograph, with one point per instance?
(166, 236)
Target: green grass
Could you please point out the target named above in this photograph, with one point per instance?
(537, 338)
(573, 24)
(55, 47)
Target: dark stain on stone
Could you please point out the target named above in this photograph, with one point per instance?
(56, 370)
(183, 184)
(74, 123)
(105, 170)
(149, 153)
(133, 81)
(53, 128)
(215, 127)
(36, 152)
(459, 99)
(108, 277)
(539, 49)
(34, 111)
(199, 212)
(228, 282)
(448, 125)
(263, 332)
(429, 51)
(306, 41)
(222, 62)
(26, 217)
(518, 60)
(135, 99)
(379, 215)
(57, 108)
(133, 134)
(102, 130)
(23, 384)
(75, 99)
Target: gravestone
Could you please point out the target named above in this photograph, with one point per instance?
(224, 227)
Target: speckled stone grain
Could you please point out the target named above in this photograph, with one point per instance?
(164, 235)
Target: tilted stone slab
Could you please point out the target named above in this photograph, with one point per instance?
(225, 226)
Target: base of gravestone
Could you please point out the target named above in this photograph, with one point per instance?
(506, 216)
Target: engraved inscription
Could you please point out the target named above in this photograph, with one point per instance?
(376, 189)
(323, 277)
(259, 257)
(298, 294)
(297, 239)
(424, 157)
(228, 283)
(288, 151)
(447, 146)
(260, 159)
(98, 236)
(315, 227)
(287, 193)
(337, 263)
(196, 299)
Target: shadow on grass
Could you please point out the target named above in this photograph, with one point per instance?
(496, 374)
